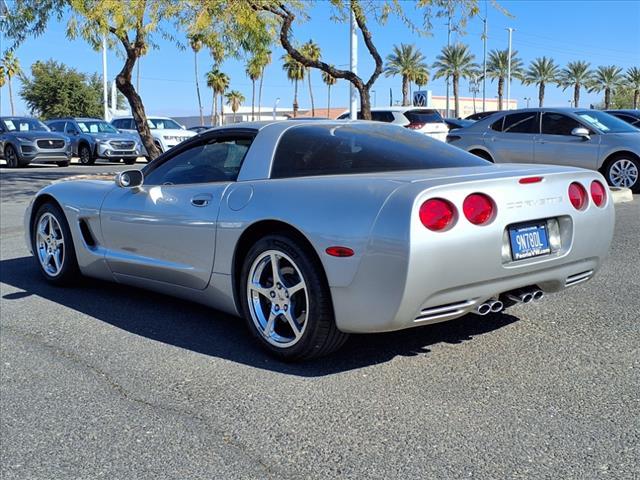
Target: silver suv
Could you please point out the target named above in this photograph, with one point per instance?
(93, 138)
(561, 136)
(24, 140)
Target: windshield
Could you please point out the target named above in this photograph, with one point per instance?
(340, 149)
(24, 125)
(606, 123)
(163, 123)
(96, 126)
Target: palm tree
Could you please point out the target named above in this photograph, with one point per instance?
(457, 62)
(295, 73)
(10, 68)
(542, 70)
(498, 69)
(421, 77)
(633, 79)
(406, 61)
(234, 100)
(254, 71)
(263, 57)
(311, 50)
(195, 41)
(606, 78)
(329, 81)
(218, 82)
(576, 75)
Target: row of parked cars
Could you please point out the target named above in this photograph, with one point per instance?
(24, 139)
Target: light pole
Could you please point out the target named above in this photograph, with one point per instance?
(4, 10)
(275, 104)
(527, 99)
(448, 44)
(510, 30)
(375, 98)
(353, 108)
(105, 87)
(484, 59)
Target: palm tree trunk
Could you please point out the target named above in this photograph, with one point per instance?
(541, 95)
(260, 96)
(607, 98)
(576, 95)
(405, 90)
(455, 95)
(13, 110)
(221, 109)
(328, 100)
(313, 108)
(636, 98)
(214, 110)
(195, 60)
(295, 98)
(253, 100)
(500, 92)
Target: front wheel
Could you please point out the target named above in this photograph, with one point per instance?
(624, 171)
(53, 245)
(286, 300)
(11, 156)
(86, 158)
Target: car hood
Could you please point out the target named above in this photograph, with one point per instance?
(112, 136)
(173, 132)
(37, 135)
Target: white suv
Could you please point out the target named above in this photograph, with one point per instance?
(166, 132)
(420, 119)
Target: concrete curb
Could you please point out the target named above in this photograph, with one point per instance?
(621, 195)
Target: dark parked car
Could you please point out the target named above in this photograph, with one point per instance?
(92, 138)
(630, 116)
(24, 140)
(199, 128)
(481, 115)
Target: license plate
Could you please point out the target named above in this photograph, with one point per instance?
(529, 241)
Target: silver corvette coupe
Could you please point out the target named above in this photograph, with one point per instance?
(313, 230)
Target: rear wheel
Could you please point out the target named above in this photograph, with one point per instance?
(86, 157)
(53, 245)
(286, 301)
(624, 171)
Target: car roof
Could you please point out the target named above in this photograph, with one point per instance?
(128, 117)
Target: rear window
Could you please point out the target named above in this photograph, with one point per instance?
(424, 116)
(379, 116)
(310, 150)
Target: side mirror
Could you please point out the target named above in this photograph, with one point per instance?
(130, 179)
(581, 132)
(184, 127)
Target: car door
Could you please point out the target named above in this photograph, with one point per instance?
(555, 144)
(165, 230)
(71, 131)
(511, 141)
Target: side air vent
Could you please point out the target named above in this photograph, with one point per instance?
(86, 233)
(444, 311)
(578, 278)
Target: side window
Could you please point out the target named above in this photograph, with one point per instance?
(70, 128)
(497, 125)
(558, 124)
(523, 122)
(344, 116)
(56, 126)
(218, 160)
(629, 119)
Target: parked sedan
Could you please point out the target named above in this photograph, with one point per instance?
(481, 115)
(92, 139)
(24, 140)
(581, 138)
(313, 230)
(632, 117)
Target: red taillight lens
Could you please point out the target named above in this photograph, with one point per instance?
(598, 193)
(437, 214)
(415, 126)
(478, 208)
(578, 196)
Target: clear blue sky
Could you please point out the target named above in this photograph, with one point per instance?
(601, 32)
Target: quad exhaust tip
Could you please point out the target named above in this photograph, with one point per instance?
(490, 306)
(526, 296)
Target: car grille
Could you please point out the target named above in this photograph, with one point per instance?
(50, 144)
(122, 145)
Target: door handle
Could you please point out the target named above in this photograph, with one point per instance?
(201, 200)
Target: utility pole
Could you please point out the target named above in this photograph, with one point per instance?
(510, 30)
(448, 44)
(4, 10)
(353, 109)
(484, 62)
(105, 88)
(527, 99)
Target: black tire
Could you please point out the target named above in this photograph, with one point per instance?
(63, 163)
(85, 154)
(626, 160)
(130, 161)
(69, 271)
(11, 156)
(320, 335)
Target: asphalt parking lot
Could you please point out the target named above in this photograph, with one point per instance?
(107, 381)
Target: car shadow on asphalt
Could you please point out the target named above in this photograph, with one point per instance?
(209, 332)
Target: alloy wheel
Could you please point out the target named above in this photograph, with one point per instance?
(278, 299)
(11, 157)
(623, 173)
(50, 244)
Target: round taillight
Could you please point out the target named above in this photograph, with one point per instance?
(578, 196)
(598, 193)
(437, 214)
(478, 208)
